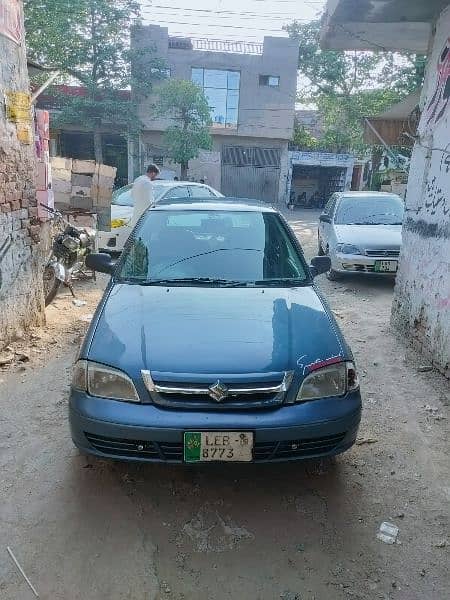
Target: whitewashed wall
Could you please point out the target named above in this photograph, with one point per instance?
(421, 306)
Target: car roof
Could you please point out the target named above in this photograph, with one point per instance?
(365, 194)
(219, 204)
(172, 183)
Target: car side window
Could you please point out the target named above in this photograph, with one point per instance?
(181, 191)
(200, 192)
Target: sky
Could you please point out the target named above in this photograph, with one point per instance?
(243, 20)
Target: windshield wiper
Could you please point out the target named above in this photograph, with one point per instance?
(195, 280)
(281, 281)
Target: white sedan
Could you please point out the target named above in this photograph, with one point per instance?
(361, 232)
(122, 208)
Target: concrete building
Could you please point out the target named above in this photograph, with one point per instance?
(421, 308)
(311, 121)
(21, 294)
(251, 89)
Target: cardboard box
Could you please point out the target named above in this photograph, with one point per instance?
(84, 203)
(83, 167)
(62, 163)
(82, 180)
(59, 185)
(61, 198)
(78, 190)
(106, 171)
(61, 174)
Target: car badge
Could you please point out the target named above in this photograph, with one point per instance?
(218, 391)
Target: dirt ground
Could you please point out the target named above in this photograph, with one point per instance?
(93, 530)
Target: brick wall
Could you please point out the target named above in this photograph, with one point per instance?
(23, 241)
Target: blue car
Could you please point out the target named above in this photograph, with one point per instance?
(212, 343)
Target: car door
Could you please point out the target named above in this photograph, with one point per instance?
(325, 226)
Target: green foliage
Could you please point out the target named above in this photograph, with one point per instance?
(347, 86)
(303, 139)
(185, 104)
(90, 40)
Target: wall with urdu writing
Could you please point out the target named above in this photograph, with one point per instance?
(421, 308)
(21, 295)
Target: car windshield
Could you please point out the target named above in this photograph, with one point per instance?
(370, 210)
(212, 247)
(123, 197)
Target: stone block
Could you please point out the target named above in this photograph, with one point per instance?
(82, 180)
(83, 167)
(59, 162)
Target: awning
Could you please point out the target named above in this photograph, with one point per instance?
(380, 24)
(392, 124)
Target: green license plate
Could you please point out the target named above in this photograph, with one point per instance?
(386, 266)
(221, 446)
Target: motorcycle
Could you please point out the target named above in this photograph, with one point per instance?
(70, 247)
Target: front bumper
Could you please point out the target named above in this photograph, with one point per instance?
(359, 263)
(147, 433)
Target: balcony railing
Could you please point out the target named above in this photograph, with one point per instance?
(208, 45)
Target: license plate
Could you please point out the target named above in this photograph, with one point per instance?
(386, 266)
(222, 446)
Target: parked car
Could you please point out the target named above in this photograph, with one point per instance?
(211, 343)
(122, 208)
(361, 232)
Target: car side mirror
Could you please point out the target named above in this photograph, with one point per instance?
(325, 218)
(101, 262)
(319, 265)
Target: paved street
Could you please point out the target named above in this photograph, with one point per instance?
(92, 530)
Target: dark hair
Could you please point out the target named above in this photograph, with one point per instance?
(153, 169)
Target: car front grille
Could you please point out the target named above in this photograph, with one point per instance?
(173, 451)
(383, 253)
(359, 268)
(204, 396)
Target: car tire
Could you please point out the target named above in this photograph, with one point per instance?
(333, 275)
(320, 251)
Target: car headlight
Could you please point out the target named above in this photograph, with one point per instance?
(348, 249)
(331, 380)
(119, 223)
(103, 382)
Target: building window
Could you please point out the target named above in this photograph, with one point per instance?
(221, 89)
(269, 80)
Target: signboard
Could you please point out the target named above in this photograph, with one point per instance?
(18, 111)
(321, 159)
(11, 20)
(18, 107)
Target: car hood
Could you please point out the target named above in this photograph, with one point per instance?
(375, 237)
(121, 212)
(220, 331)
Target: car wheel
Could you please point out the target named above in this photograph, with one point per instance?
(320, 251)
(332, 275)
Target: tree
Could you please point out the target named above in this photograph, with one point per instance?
(303, 139)
(186, 105)
(90, 41)
(347, 86)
